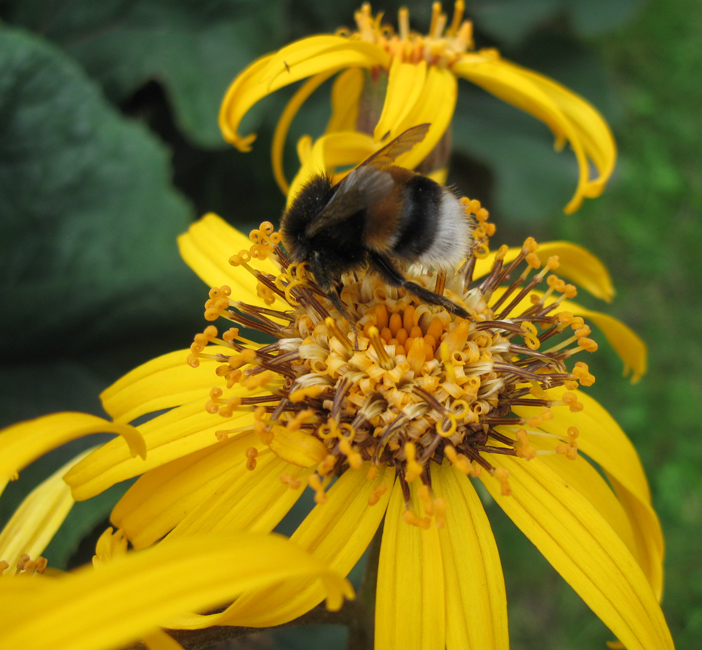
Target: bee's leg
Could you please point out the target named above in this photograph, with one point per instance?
(336, 301)
(385, 268)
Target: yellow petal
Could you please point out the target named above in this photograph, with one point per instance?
(603, 440)
(435, 106)
(297, 61)
(410, 611)
(476, 604)
(584, 549)
(254, 500)
(281, 130)
(181, 431)
(336, 532)
(206, 249)
(163, 382)
(135, 594)
(328, 152)
(405, 86)
(23, 443)
(164, 496)
(626, 343)
(568, 116)
(577, 264)
(36, 520)
(345, 97)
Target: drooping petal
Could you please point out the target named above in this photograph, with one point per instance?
(181, 431)
(36, 520)
(96, 609)
(161, 383)
(584, 549)
(305, 58)
(336, 532)
(206, 249)
(22, 443)
(568, 115)
(476, 604)
(410, 610)
(164, 496)
(577, 264)
(603, 440)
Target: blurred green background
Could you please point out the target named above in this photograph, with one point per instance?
(109, 148)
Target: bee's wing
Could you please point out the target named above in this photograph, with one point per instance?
(394, 149)
(361, 188)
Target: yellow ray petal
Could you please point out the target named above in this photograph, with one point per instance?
(254, 500)
(405, 86)
(568, 116)
(336, 532)
(164, 496)
(476, 604)
(626, 343)
(410, 611)
(584, 549)
(181, 431)
(345, 96)
(206, 249)
(435, 106)
(134, 594)
(580, 475)
(281, 130)
(297, 61)
(603, 440)
(35, 522)
(23, 443)
(161, 383)
(577, 264)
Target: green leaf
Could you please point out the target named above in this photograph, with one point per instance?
(194, 49)
(87, 240)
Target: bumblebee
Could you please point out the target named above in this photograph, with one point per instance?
(381, 217)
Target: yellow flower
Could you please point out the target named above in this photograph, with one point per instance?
(420, 73)
(394, 420)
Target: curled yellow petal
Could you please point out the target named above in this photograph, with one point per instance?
(568, 115)
(305, 58)
(133, 595)
(23, 443)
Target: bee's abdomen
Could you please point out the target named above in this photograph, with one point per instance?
(420, 217)
(434, 228)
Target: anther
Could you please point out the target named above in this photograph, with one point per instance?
(384, 359)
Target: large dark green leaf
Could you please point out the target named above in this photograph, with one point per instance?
(194, 49)
(89, 218)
